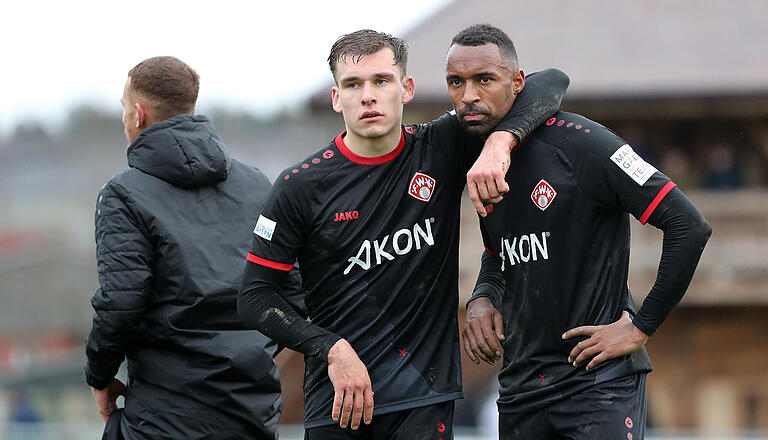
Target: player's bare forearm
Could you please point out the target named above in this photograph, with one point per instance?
(483, 331)
(486, 179)
(605, 342)
(353, 395)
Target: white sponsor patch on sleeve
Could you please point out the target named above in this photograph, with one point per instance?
(265, 228)
(632, 164)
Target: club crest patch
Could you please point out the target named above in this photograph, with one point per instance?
(421, 187)
(543, 194)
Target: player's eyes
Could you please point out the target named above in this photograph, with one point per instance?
(485, 79)
(455, 82)
(352, 85)
(381, 81)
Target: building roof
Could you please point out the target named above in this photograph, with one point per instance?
(610, 49)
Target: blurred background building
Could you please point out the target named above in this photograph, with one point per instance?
(685, 83)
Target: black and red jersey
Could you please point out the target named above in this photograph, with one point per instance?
(376, 240)
(562, 237)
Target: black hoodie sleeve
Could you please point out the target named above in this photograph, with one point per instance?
(125, 257)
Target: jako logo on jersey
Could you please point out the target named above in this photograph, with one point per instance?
(403, 241)
(543, 194)
(348, 215)
(421, 187)
(523, 249)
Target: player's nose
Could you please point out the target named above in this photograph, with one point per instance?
(470, 94)
(368, 96)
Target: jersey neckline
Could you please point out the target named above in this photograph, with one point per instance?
(363, 160)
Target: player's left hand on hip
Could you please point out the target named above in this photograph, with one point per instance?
(486, 179)
(605, 342)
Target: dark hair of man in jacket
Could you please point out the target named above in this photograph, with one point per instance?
(157, 88)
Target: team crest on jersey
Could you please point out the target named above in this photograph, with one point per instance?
(543, 194)
(421, 187)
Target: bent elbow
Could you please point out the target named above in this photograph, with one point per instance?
(703, 230)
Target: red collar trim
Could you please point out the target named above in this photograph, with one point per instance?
(362, 160)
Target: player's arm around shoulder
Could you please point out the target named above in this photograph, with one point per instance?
(541, 97)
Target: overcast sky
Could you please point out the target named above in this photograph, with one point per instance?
(255, 55)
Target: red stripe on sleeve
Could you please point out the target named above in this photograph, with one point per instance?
(656, 200)
(489, 251)
(269, 263)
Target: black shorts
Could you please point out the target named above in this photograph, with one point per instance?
(434, 422)
(611, 410)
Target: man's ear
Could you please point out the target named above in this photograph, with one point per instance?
(518, 81)
(409, 89)
(141, 115)
(335, 99)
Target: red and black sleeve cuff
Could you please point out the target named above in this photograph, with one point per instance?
(269, 263)
(656, 200)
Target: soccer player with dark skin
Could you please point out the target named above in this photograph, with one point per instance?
(557, 260)
(373, 221)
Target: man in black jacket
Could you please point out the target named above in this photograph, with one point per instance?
(171, 234)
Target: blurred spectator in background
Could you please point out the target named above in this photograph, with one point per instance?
(677, 165)
(636, 138)
(722, 172)
(22, 409)
(759, 134)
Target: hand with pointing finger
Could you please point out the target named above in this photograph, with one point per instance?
(605, 342)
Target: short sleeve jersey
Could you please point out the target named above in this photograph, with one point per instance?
(377, 244)
(562, 234)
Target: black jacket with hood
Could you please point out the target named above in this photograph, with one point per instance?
(172, 234)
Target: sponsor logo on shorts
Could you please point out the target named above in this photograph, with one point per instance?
(628, 421)
(421, 187)
(543, 194)
(265, 228)
(632, 164)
